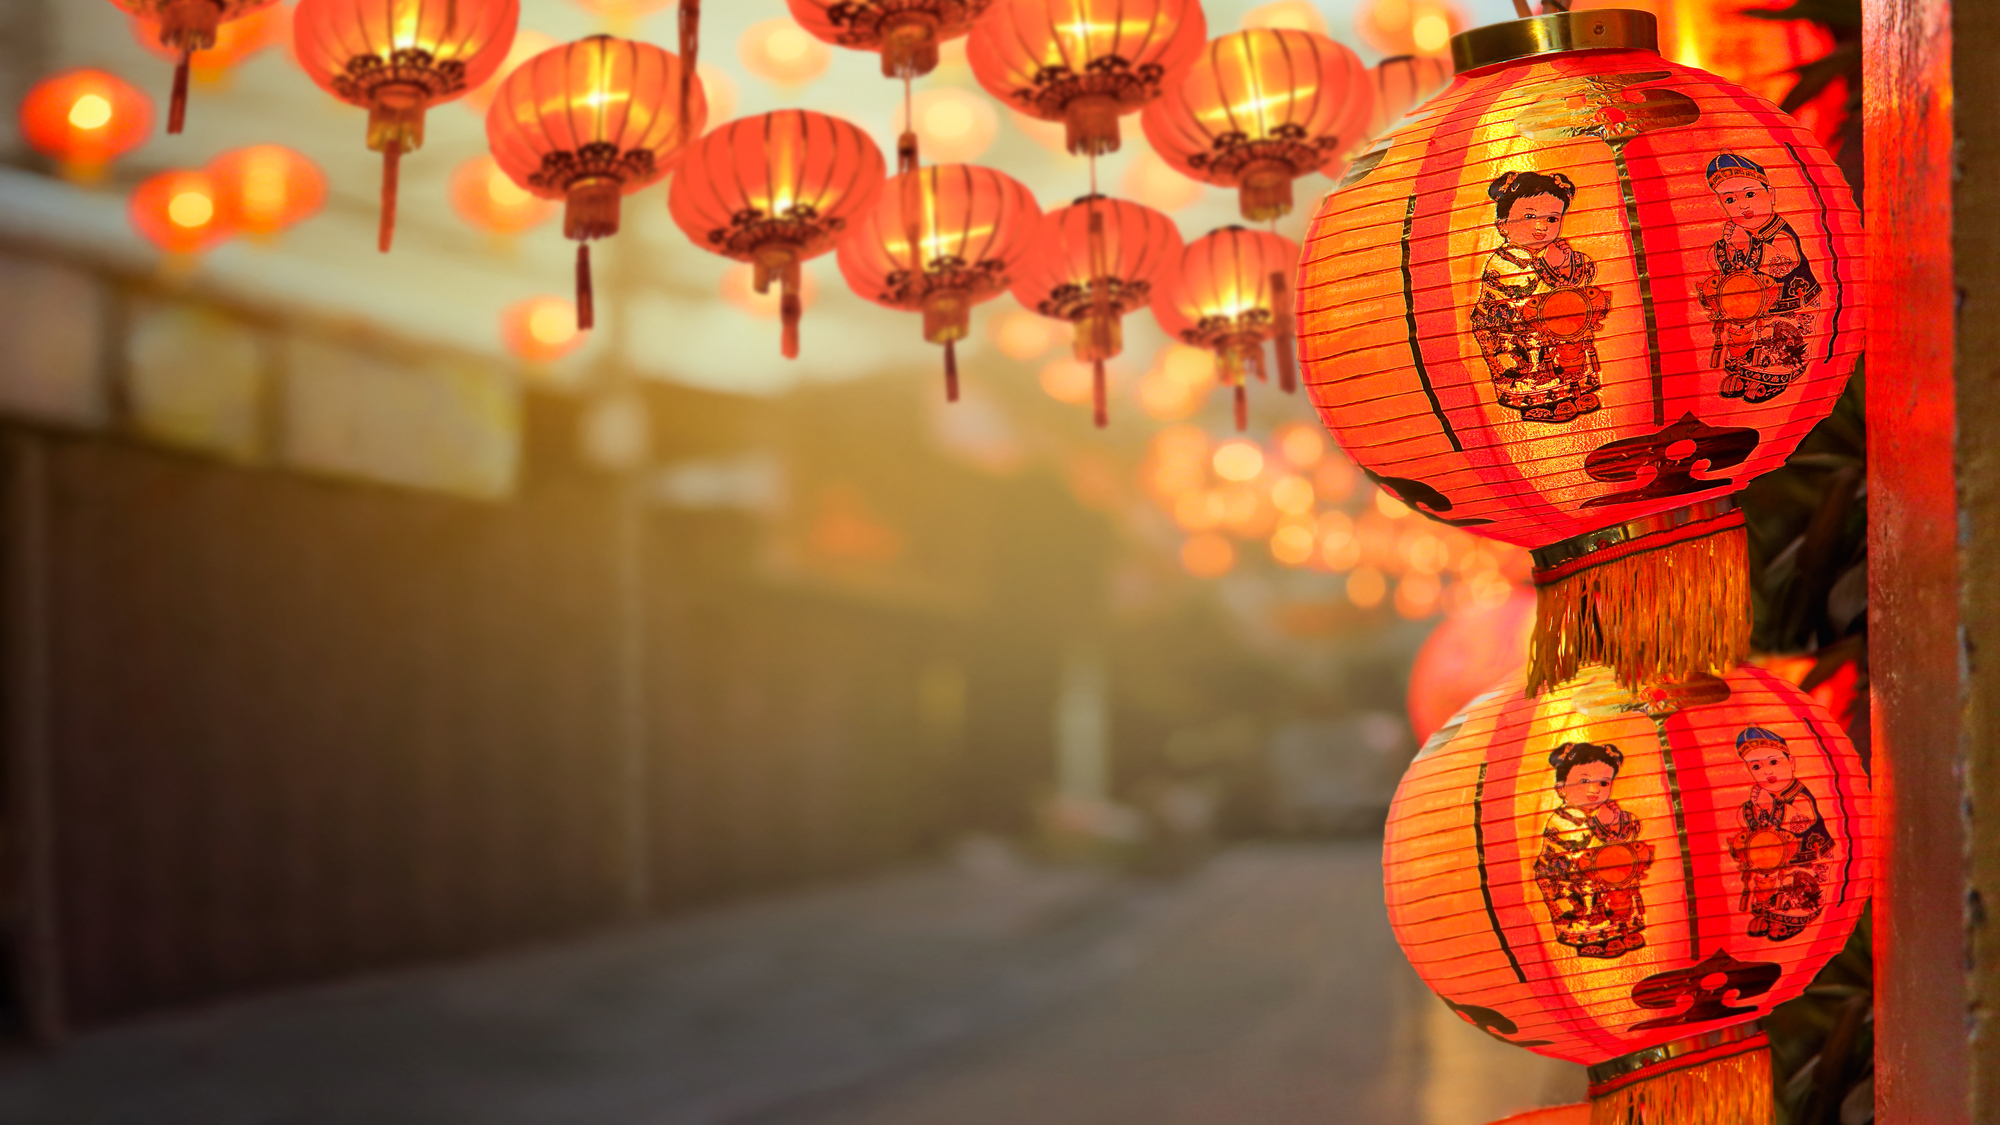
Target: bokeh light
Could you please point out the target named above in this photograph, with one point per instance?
(1388, 505)
(1293, 544)
(1208, 556)
(1417, 596)
(1292, 15)
(527, 44)
(1153, 182)
(1067, 380)
(1366, 587)
(176, 211)
(954, 126)
(487, 198)
(541, 329)
(1302, 444)
(1177, 384)
(1410, 27)
(1239, 461)
(268, 188)
(84, 119)
(1292, 495)
(783, 53)
(1024, 335)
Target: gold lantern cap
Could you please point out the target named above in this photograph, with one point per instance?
(1607, 29)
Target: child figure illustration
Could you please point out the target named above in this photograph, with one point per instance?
(1784, 842)
(1763, 295)
(1592, 859)
(1539, 310)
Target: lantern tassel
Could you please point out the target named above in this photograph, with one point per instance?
(392, 161)
(1242, 408)
(1656, 609)
(1285, 343)
(586, 302)
(789, 310)
(178, 104)
(1100, 412)
(951, 371)
(1728, 1084)
(690, 48)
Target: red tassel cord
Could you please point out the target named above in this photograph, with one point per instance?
(1242, 408)
(951, 371)
(1100, 412)
(789, 309)
(586, 311)
(177, 107)
(1286, 343)
(392, 162)
(690, 48)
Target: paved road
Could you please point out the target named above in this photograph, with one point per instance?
(1262, 990)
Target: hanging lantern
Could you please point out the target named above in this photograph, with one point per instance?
(1258, 109)
(939, 241)
(540, 329)
(1230, 295)
(1084, 62)
(1402, 84)
(1095, 261)
(267, 188)
(906, 33)
(1630, 878)
(180, 212)
(486, 197)
(589, 123)
(1577, 305)
(187, 26)
(85, 119)
(776, 190)
(1410, 27)
(396, 58)
(235, 39)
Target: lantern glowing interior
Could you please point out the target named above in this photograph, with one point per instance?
(486, 197)
(396, 58)
(1601, 870)
(180, 211)
(187, 26)
(776, 190)
(1084, 62)
(906, 33)
(589, 123)
(1258, 109)
(268, 188)
(85, 119)
(1575, 305)
(939, 241)
(1230, 295)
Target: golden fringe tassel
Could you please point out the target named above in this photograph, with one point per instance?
(1728, 1091)
(1656, 616)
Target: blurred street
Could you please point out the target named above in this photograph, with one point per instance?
(1263, 989)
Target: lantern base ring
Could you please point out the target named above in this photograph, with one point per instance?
(1577, 547)
(1718, 1078)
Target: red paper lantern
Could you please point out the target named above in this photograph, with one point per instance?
(1470, 650)
(485, 196)
(589, 123)
(396, 58)
(180, 212)
(1229, 296)
(267, 188)
(1095, 261)
(1084, 62)
(187, 26)
(1579, 303)
(906, 33)
(1402, 84)
(85, 119)
(939, 241)
(1598, 871)
(776, 190)
(1258, 109)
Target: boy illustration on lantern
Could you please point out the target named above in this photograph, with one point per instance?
(1592, 859)
(1783, 842)
(1538, 313)
(1763, 295)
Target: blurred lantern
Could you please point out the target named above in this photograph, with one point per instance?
(1664, 297)
(906, 33)
(776, 190)
(1402, 84)
(1472, 649)
(180, 212)
(486, 197)
(396, 58)
(540, 329)
(184, 27)
(1410, 27)
(589, 123)
(781, 53)
(1630, 878)
(84, 119)
(1238, 461)
(235, 39)
(267, 188)
(1084, 62)
(527, 44)
(939, 241)
(1230, 295)
(954, 126)
(1259, 109)
(1287, 15)
(1094, 261)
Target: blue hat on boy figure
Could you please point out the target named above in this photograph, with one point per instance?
(1730, 166)
(1753, 735)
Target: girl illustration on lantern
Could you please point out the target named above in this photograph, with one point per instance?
(1592, 859)
(1763, 295)
(1538, 313)
(1783, 844)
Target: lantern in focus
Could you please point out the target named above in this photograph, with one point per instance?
(906, 33)
(180, 212)
(1230, 295)
(396, 58)
(1472, 649)
(486, 197)
(1084, 62)
(187, 26)
(1095, 261)
(938, 241)
(267, 188)
(1402, 84)
(1629, 878)
(775, 190)
(1258, 109)
(84, 119)
(540, 329)
(589, 123)
(1584, 328)
(1410, 27)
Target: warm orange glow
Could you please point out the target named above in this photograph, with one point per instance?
(1482, 641)
(1177, 383)
(1239, 461)
(541, 329)
(1291, 494)
(91, 111)
(1023, 335)
(953, 125)
(1417, 596)
(1390, 506)
(1208, 556)
(85, 119)
(1066, 380)
(1177, 462)
(1223, 298)
(1366, 587)
(268, 188)
(622, 15)
(1153, 182)
(176, 211)
(485, 197)
(527, 44)
(782, 53)
(1410, 27)
(1302, 444)
(1293, 544)
(1334, 479)
(191, 209)
(1424, 551)
(241, 34)
(1288, 15)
